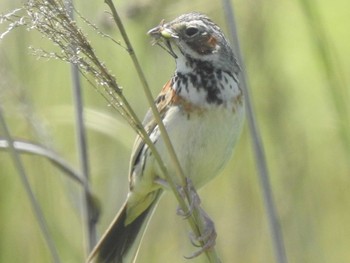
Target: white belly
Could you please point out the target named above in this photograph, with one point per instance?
(203, 141)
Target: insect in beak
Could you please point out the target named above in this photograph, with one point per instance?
(162, 37)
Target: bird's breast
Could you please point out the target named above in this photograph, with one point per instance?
(203, 140)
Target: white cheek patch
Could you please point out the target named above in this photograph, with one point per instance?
(217, 48)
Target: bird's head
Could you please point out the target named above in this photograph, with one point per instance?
(196, 38)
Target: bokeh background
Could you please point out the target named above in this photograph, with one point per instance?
(297, 58)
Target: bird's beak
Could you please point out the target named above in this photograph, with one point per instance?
(162, 32)
(162, 36)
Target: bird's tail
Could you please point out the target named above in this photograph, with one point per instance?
(121, 241)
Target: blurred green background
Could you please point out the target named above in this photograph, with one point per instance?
(297, 58)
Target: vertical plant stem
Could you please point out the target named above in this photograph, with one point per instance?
(270, 207)
(82, 148)
(24, 179)
(83, 157)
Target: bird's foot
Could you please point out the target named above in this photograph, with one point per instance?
(207, 238)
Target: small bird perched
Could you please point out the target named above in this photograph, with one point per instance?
(202, 109)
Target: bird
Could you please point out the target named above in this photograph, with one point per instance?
(202, 108)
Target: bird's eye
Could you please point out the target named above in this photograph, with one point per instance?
(191, 31)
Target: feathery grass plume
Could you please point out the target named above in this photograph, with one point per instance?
(51, 19)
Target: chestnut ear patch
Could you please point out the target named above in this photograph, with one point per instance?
(212, 41)
(204, 44)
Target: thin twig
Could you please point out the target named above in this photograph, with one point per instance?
(260, 159)
(194, 220)
(24, 179)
